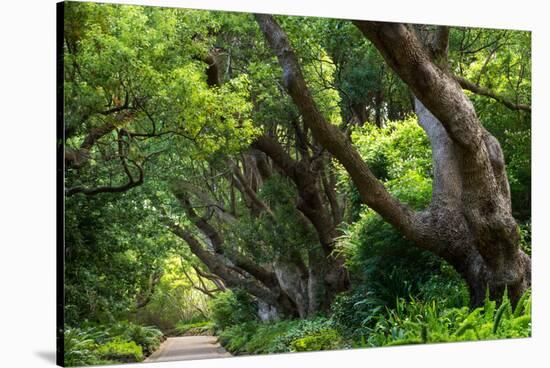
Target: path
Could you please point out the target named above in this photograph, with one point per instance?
(188, 348)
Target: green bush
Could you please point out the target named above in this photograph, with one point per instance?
(79, 347)
(232, 308)
(281, 336)
(147, 337)
(325, 340)
(297, 330)
(425, 322)
(446, 287)
(120, 350)
(265, 336)
(234, 338)
(99, 344)
(355, 311)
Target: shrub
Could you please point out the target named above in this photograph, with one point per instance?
(324, 340)
(147, 337)
(422, 322)
(79, 347)
(121, 342)
(232, 308)
(235, 338)
(120, 350)
(281, 337)
(265, 336)
(355, 311)
(297, 330)
(446, 287)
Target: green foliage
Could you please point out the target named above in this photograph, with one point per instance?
(153, 59)
(424, 322)
(120, 350)
(410, 321)
(281, 336)
(325, 340)
(197, 328)
(355, 311)
(147, 337)
(79, 347)
(264, 338)
(100, 344)
(235, 337)
(232, 308)
(525, 237)
(174, 300)
(112, 248)
(399, 148)
(299, 330)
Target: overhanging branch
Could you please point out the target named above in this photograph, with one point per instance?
(482, 91)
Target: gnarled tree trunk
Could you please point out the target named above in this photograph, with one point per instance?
(469, 221)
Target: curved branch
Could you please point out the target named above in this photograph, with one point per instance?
(482, 91)
(206, 199)
(310, 202)
(242, 185)
(108, 189)
(239, 260)
(216, 265)
(372, 191)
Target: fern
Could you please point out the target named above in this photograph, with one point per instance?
(523, 303)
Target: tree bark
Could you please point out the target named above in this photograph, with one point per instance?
(469, 221)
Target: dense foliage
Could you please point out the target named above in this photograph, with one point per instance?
(198, 199)
(120, 342)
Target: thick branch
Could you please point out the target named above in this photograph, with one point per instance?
(249, 192)
(77, 158)
(441, 43)
(310, 203)
(371, 190)
(207, 200)
(215, 264)
(436, 89)
(240, 261)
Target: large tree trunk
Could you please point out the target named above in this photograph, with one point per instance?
(484, 252)
(469, 222)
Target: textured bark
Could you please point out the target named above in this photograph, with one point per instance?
(469, 221)
(471, 192)
(326, 272)
(310, 202)
(485, 253)
(213, 71)
(218, 266)
(371, 190)
(216, 240)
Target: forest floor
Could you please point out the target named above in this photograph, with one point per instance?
(188, 348)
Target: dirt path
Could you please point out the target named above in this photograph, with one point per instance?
(188, 348)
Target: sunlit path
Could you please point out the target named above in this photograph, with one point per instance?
(188, 348)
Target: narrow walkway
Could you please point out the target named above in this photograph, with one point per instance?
(188, 348)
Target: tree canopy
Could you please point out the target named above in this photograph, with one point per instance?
(292, 159)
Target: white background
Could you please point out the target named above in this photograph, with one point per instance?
(27, 182)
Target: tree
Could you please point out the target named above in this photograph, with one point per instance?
(183, 113)
(469, 221)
